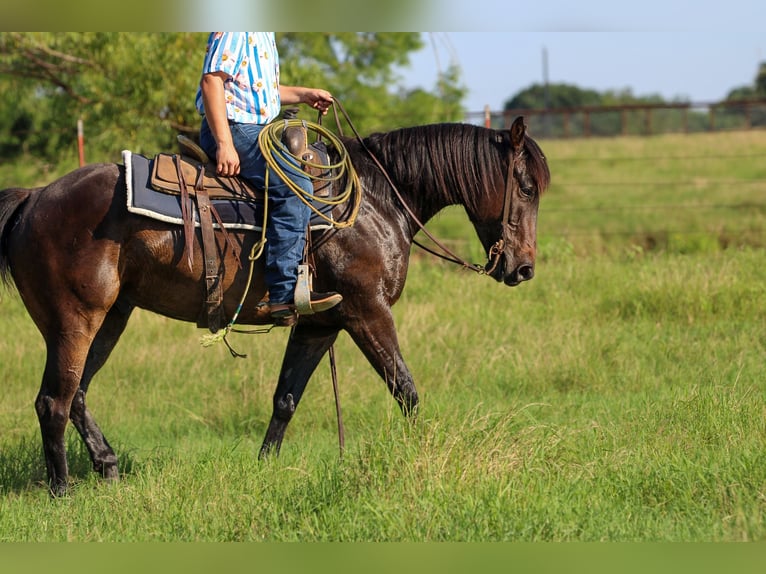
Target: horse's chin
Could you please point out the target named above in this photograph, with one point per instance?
(509, 279)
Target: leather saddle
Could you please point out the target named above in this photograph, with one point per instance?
(191, 175)
(197, 171)
(169, 171)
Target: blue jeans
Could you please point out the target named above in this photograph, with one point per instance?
(288, 215)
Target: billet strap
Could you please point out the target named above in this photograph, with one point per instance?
(235, 249)
(213, 291)
(187, 212)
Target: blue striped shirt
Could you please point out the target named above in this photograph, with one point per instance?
(251, 63)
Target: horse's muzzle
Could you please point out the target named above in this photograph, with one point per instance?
(523, 272)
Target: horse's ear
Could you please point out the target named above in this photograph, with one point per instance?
(518, 130)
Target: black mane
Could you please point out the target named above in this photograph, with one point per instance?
(458, 162)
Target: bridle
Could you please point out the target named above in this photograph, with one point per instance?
(495, 252)
(506, 224)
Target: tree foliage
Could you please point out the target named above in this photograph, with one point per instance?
(360, 70)
(756, 90)
(130, 90)
(755, 115)
(137, 90)
(573, 99)
(539, 96)
(569, 104)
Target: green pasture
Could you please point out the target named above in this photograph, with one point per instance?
(619, 396)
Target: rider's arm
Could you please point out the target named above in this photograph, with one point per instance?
(213, 98)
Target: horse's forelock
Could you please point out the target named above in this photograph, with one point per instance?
(537, 165)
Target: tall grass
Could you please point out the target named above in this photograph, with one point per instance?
(618, 396)
(561, 410)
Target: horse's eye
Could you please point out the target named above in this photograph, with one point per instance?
(527, 191)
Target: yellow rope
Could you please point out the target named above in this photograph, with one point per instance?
(270, 142)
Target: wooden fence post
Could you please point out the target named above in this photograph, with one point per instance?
(80, 142)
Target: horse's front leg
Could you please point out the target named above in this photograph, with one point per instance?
(376, 336)
(305, 349)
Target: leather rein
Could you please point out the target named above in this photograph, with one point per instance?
(447, 254)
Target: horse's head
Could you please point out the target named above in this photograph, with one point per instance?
(509, 232)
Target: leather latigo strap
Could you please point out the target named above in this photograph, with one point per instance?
(214, 293)
(212, 260)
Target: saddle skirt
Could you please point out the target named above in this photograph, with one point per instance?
(153, 191)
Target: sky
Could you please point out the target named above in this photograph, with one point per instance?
(696, 51)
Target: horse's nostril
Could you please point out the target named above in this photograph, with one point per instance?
(525, 272)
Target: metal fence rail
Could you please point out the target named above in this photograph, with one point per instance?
(631, 119)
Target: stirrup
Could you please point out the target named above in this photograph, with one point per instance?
(303, 291)
(306, 301)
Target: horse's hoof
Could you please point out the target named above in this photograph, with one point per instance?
(58, 490)
(111, 473)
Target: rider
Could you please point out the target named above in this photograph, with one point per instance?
(239, 93)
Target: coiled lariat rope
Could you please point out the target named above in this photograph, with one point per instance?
(270, 142)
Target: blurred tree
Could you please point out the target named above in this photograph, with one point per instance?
(132, 90)
(555, 95)
(756, 114)
(760, 80)
(756, 90)
(359, 68)
(136, 90)
(600, 120)
(427, 107)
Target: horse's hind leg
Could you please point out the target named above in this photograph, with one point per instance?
(305, 348)
(66, 355)
(101, 453)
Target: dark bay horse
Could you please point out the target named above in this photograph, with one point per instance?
(81, 263)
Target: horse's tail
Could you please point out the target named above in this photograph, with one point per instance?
(11, 201)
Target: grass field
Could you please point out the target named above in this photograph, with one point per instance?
(619, 396)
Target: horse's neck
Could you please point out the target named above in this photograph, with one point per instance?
(422, 185)
(424, 202)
